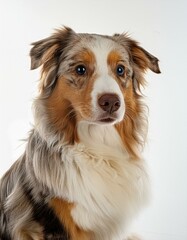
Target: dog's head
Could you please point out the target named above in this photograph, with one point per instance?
(89, 77)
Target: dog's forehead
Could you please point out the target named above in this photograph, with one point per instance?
(100, 45)
(96, 39)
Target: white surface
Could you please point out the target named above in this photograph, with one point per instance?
(161, 28)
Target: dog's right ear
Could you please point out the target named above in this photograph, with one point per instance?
(49, 48)
(47, 52)
(41, 51)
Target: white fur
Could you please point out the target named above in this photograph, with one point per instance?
(104, 82)
(107, 187)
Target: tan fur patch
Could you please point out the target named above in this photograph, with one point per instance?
(63, 212)
(129, 127)
(61, 113)
(113, 58)
(66, 106)
(86, 57)
(69, 103)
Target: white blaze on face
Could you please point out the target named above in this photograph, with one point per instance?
(105, 83)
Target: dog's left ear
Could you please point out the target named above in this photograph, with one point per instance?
(143, 58)
(139, 56)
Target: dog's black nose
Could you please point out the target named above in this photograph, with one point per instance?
(109, 102)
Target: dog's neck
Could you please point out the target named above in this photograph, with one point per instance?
(102, 138)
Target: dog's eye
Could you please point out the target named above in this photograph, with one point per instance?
(120, 70)
(80, 70)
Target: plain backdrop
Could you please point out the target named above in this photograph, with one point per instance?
(161, 28)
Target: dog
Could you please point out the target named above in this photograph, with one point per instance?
(82, 175)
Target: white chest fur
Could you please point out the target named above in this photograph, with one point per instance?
(107, 187)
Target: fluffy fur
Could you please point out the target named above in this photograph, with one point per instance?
(82, 176)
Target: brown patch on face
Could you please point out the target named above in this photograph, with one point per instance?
(70, 100)
(131, 128)
(128, 128)
(62, 210)
(115, 60)
(61, 113)
(84, 58)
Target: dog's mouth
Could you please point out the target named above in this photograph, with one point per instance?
(104, 119)
(107, 120)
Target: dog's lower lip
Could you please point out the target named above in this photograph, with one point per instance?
(107, 120)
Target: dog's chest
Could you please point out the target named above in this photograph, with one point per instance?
(106, 187)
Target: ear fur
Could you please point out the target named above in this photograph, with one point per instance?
(47, 52)
(44, 49)
(144, 59)
(139, 55)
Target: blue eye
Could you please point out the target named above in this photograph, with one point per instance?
(80, 70)
(120, 70)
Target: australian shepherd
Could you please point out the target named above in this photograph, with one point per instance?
(82, 175)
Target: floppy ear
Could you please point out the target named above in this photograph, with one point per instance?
(47, 52)
(143, 58)
(139, 56)
(42, 51)
(46, 48)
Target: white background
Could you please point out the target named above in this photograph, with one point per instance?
(161, 27)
